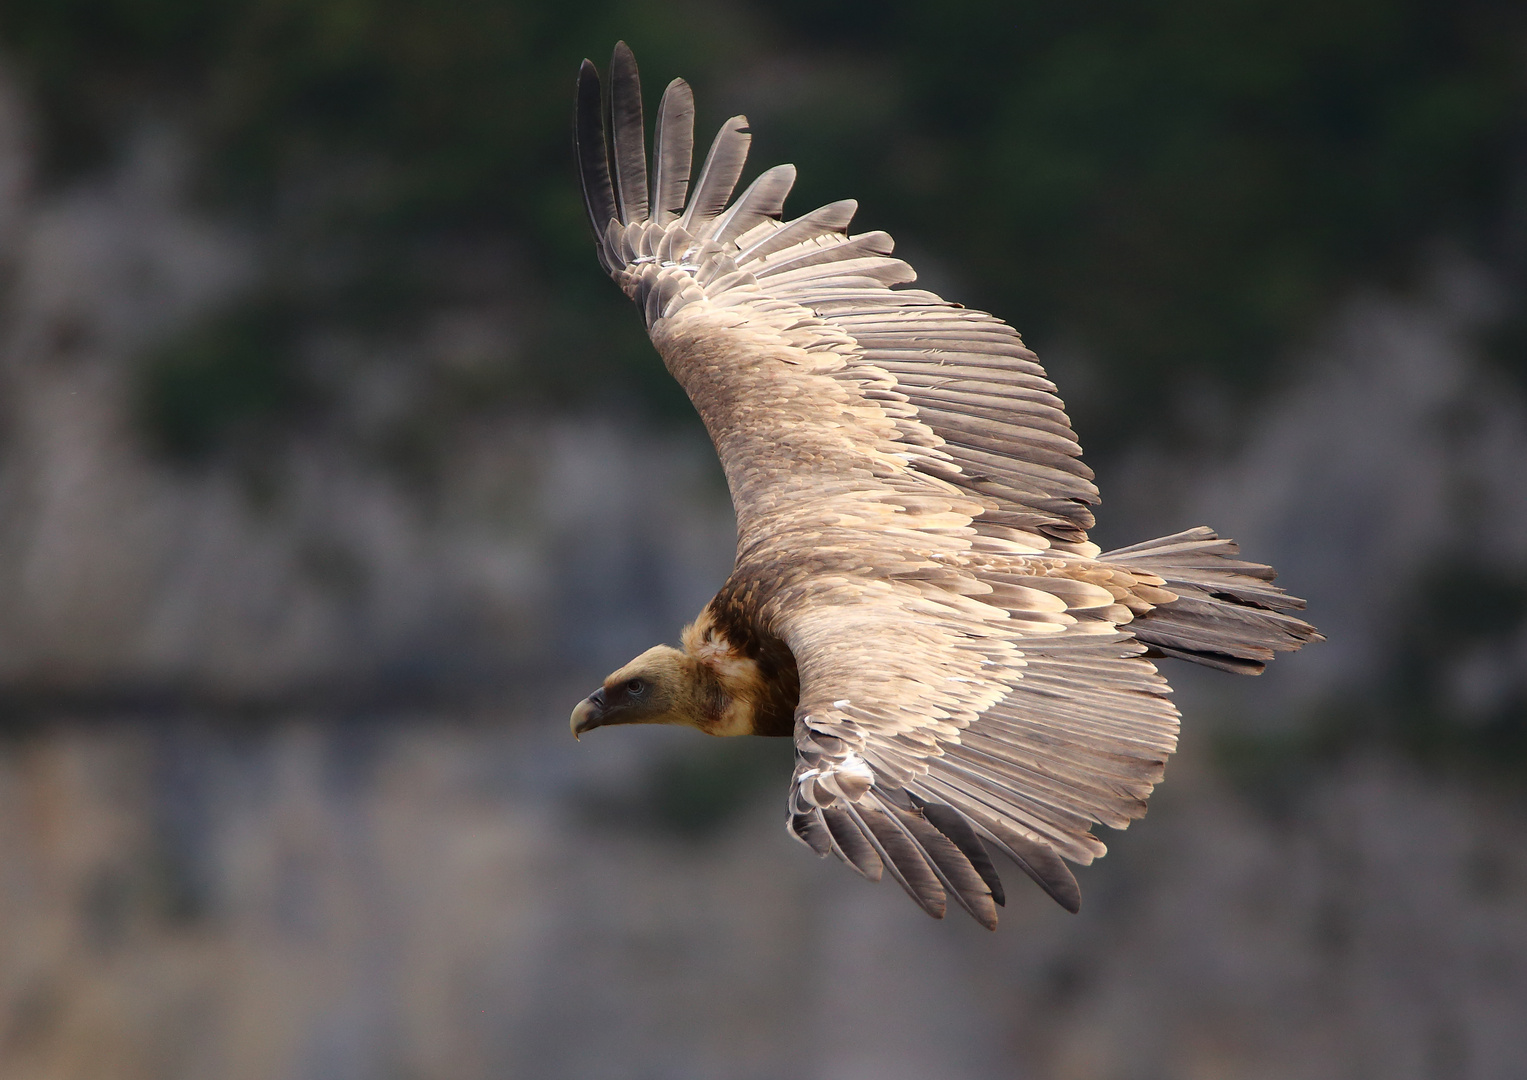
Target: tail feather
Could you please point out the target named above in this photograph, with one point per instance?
(1227, 615)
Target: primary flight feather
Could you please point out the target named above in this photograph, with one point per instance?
(914, 600)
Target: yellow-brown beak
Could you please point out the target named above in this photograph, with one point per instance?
(588, 714)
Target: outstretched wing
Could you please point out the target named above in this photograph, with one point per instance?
(998, 431)
(927, 723)
(911, 521)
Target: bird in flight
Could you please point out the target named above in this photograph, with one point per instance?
(914, 600)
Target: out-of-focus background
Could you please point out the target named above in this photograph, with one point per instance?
(333, 472)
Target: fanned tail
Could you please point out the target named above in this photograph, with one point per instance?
(1227, 615)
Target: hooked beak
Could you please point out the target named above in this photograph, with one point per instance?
(588, 714)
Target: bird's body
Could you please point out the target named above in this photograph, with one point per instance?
(914, 600)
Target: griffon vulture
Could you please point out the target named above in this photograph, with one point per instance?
(914, 601)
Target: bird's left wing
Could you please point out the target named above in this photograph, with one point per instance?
(935, 716)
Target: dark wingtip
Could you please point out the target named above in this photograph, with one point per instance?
(1067, 895)
(959, 832)
(592, 154)
(1041, 862)
(628, 136)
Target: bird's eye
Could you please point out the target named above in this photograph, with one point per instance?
(635, 686)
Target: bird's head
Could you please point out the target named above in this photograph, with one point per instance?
(661, 686)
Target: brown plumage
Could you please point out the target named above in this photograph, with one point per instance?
(914, 599)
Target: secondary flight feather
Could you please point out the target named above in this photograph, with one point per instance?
(914, 601)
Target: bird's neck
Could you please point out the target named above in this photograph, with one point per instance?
(755, 697)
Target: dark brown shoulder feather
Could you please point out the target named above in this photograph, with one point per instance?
(733, 616)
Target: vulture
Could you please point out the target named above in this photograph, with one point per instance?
(914, 600)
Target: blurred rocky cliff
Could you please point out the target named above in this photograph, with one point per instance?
(320, 506)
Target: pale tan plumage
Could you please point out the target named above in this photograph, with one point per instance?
(914, 598)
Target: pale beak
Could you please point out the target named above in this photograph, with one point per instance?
(589, 713)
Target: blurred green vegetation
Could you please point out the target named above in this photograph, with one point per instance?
(1177, 190)
(233, 376)
(1455, 685)
(367, 145)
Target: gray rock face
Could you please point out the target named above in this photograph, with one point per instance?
(432, 898)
